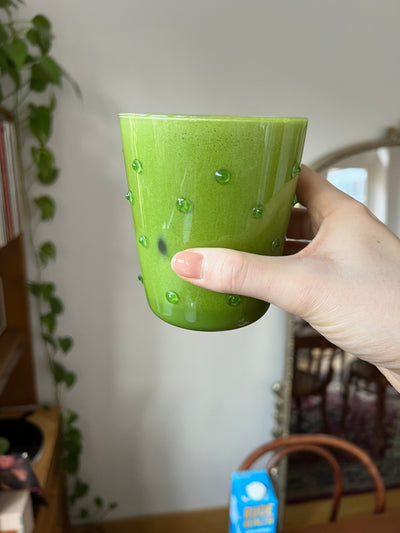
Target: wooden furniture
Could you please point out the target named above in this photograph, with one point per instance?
(51, 475)
(17, 377)
(313, 368)
(362, 374)
(18, 388)
(381, 523)
(49, 472)
(319, 443)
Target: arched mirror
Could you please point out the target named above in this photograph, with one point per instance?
(330, 391)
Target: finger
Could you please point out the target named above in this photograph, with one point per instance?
(318, 195)
(273, 279)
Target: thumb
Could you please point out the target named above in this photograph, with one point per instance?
(277, 280)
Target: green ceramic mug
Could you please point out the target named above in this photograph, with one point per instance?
(208, 181)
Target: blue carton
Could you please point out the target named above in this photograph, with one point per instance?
(253, 504)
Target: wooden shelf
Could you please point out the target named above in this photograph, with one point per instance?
(47, 467)
(11, 349)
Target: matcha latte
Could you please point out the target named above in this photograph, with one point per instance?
(207, 181)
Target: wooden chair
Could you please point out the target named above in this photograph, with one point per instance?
(362, 374)
(318, 443)
(313, 373)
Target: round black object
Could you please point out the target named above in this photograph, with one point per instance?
(24, 436)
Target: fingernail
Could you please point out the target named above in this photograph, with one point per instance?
(188, 264)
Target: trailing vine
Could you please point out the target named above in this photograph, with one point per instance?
(29, 76)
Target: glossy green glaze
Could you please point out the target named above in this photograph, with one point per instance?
(208, 181)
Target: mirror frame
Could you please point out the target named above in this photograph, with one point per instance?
(283, 389)
(391, 138)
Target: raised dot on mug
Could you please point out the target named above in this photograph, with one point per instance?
(140, 277)
(258, 211)
(296, 170)
(129, 196)
(233, 300)
(137, 166)
(223, 176)
(143, 241)
(172, 297)
(276, 244)
(183, 205)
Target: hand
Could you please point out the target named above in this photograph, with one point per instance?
(345, 282)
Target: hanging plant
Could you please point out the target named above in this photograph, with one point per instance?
(29, 76)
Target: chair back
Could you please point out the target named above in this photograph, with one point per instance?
(318, 443)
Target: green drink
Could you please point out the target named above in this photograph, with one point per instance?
(208, 181)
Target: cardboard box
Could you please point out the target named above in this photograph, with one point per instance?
(16, 514)
(253, 505)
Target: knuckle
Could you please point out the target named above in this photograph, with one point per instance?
(235, 272)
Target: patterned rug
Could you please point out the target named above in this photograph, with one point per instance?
(309, 477)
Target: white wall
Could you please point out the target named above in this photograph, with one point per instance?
(168, 414)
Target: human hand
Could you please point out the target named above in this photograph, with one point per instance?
(345, 283)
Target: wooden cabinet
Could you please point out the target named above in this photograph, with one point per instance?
(17, 372)
(17, 377)
(17, 388)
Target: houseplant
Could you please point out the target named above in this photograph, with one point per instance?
(29, 79)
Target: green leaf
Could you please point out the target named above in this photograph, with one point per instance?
(72, 439)
(65, 343)
(4, 64)
(70, 417)
(99, 502)
(14, 74)
(47, 207)
(70, 463)
(70, 379)
(49, 322)
(44, 290)
(16, 51)
(41, 22)
(40, 124)
(83, 513)
(62, 375)
(34, 288)
(44, 159)
(4, 445)
(9, 3)
(3, 34)
(56, 305)
(47, 290)
(58, 371)
(112, 505)
(72, 448)
(49, 339)
(33, 37)
(47, 251)
(43, 33)
(45, 72)
(80, 490)
(48, 248)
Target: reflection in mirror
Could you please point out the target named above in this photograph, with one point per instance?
(332, 391)
(369, 172)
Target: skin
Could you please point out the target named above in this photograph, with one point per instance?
(345, 282)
